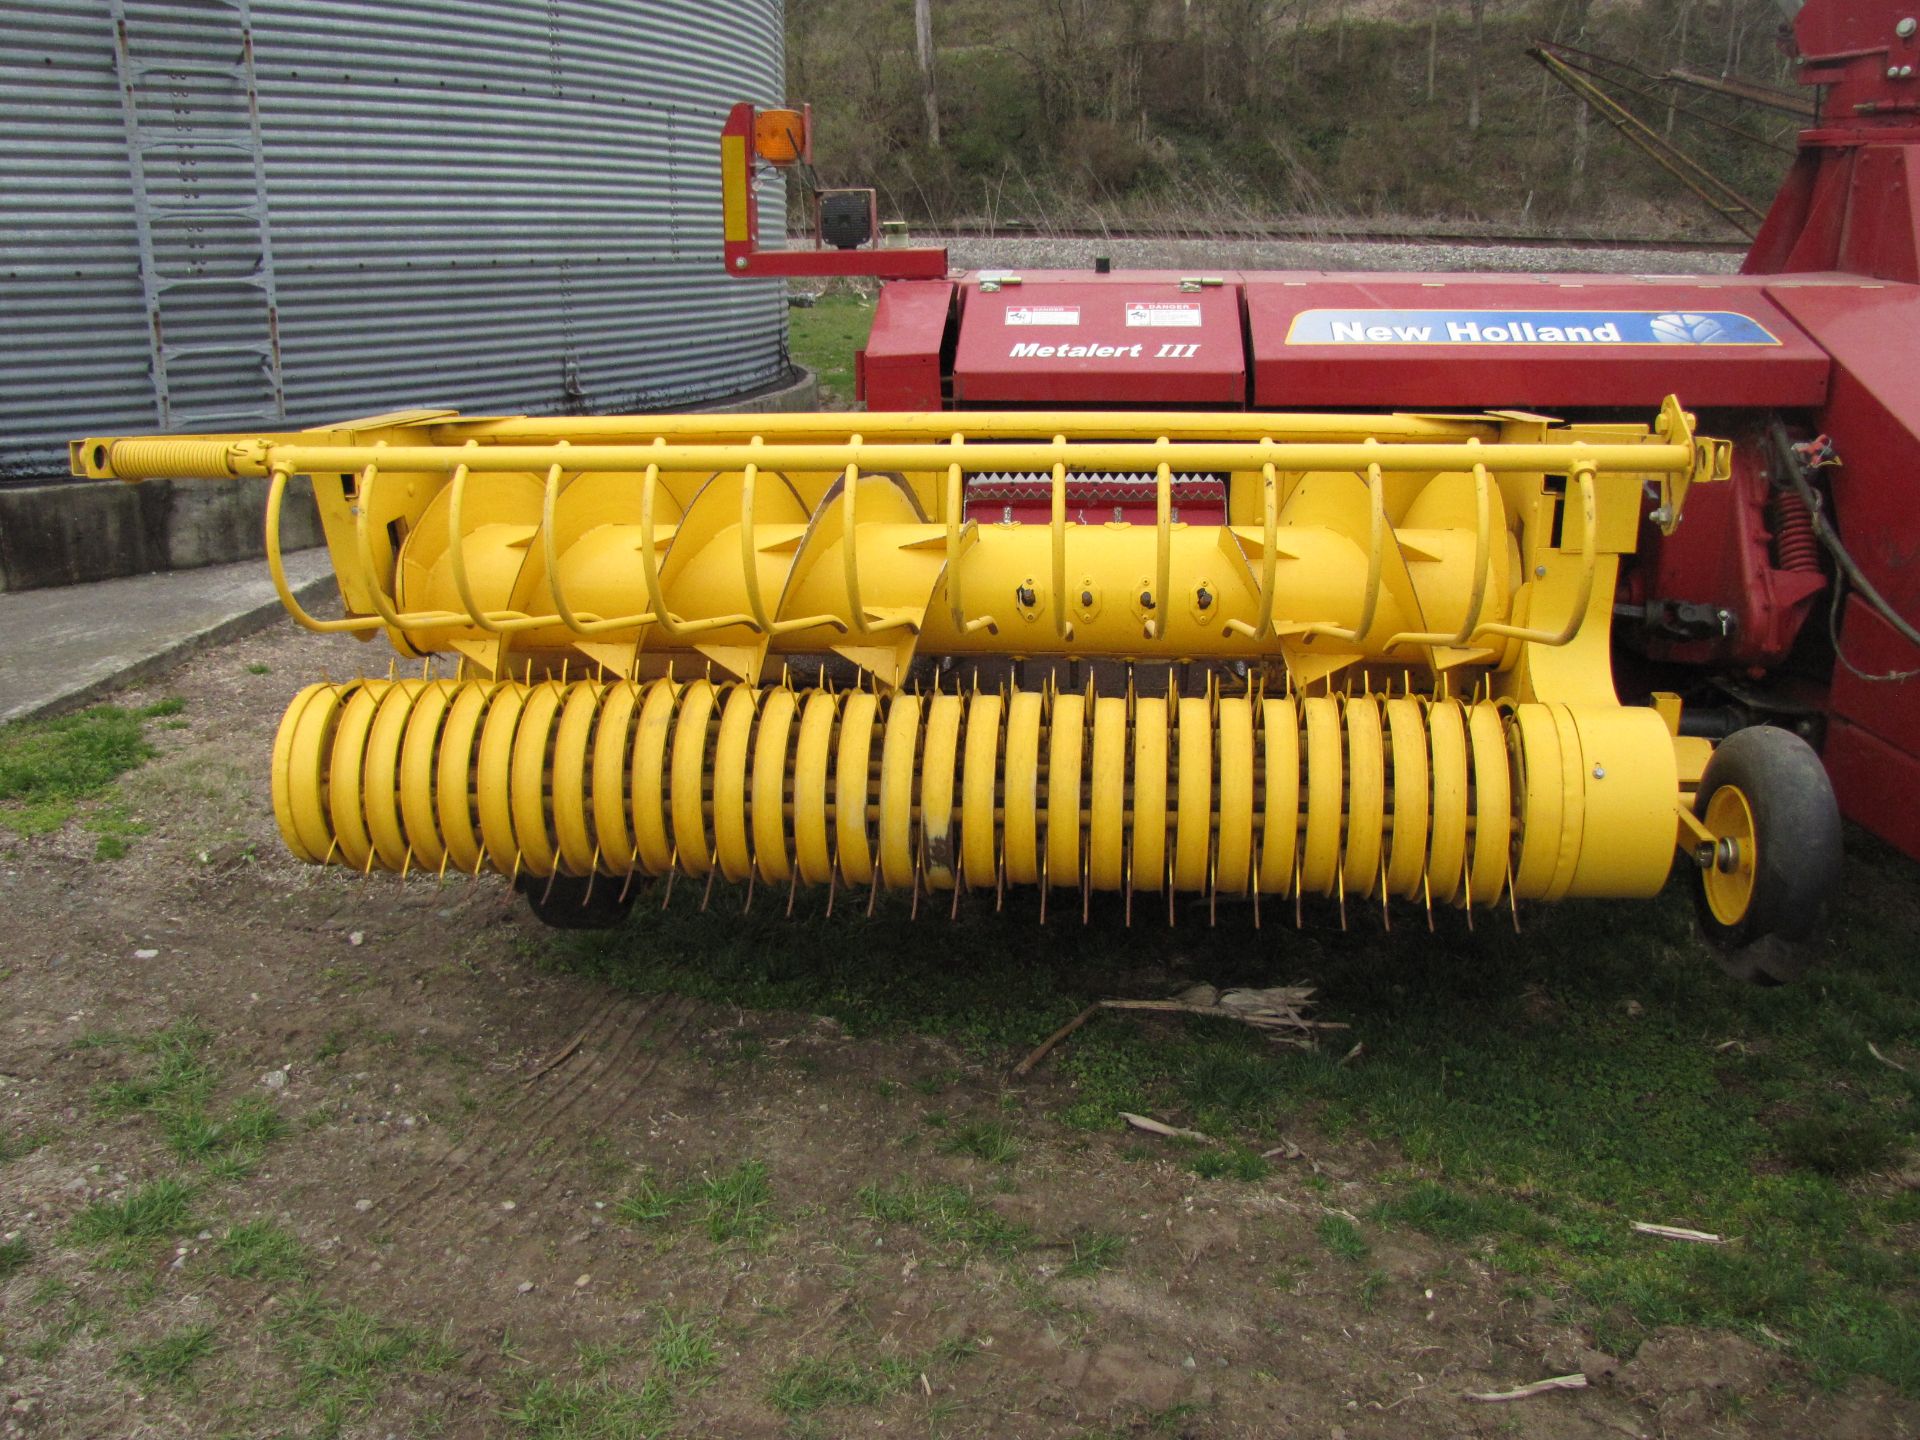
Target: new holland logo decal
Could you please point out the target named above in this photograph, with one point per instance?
(1709, 328)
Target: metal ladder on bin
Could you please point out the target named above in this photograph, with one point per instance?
(167, 228)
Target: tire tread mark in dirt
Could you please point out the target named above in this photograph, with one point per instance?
(617, 1035)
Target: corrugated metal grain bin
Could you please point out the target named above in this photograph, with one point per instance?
(482, 204)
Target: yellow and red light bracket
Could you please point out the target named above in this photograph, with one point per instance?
(782, 138)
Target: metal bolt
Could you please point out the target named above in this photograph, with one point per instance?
(1540, 571)
(1703, 854)
(1893, 72)
(1726, 854)
(1662, 515)
(1906, 28)
(1906, 72)
(1203, 597)
(740, 263)
(1146, 599)
(1024, 595)
(1599, 772)
(1086, 598)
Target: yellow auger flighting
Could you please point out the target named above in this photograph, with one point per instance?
(1246, 655)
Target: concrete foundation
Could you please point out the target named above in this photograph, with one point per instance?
(67, 533)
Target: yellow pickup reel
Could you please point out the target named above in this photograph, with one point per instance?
(803, 649)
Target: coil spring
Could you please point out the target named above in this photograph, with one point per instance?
(1794, 545)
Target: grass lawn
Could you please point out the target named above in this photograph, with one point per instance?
(823, 338)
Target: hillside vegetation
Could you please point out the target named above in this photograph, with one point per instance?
(1186, 113)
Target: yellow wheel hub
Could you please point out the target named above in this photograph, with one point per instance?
(1729, 879)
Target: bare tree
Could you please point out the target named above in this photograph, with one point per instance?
(923, 46)
(1477, 64)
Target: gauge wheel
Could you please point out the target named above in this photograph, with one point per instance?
(1762, 887)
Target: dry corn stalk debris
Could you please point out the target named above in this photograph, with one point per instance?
(1279, 1010)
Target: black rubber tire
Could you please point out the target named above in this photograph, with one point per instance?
(567, 904)
(1796, 843)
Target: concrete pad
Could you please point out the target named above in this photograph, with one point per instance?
(61, 648)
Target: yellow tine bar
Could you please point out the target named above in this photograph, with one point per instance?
(1234, 857)
(938, 853)
(1066, 748)
(1366, 794)
(852, 787)
(650, 562)
(1577, 612)
(493, 777)
(418, 759)
(1482, 569)
(1147, 859)
(771, 748)
(979, 831)
(1376, 561)
(1020, 784)
(1446, 733)
(1320, 852)
(849, 550)
(687, 794)
(652, 841)
(749, 558)
(1107, 796)
(730, 756)
(899, 759)
(532, 832)
(1262, 629)
(812, 760)
(1162, 540)
(612, 743)
(277, 568)
(1057, 525)
(1280, 794)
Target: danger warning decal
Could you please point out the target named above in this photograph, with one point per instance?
(1043, 315)
(1181, 314)
(1527, 327)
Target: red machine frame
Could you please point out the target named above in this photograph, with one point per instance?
(1818, 335)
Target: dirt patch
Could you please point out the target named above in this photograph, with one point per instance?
(493, 1195)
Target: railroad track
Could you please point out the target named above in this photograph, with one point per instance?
(1350, 237)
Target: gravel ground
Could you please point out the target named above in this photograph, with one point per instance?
(1037, 252)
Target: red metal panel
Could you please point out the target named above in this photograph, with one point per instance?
(1875, 784)
(1514, 373)
(1881, 214)
(900, 368)
(1131, 339)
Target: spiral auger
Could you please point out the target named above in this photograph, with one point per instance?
(1263, 656)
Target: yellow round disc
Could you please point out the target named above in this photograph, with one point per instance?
(456, 771)
(1326, 786)
(1234, 864)
(1279, 794)
(652, 841)
(612, 743)
(419, 757)
(1021, 788)
(1107, 796)
(1407, 856)
(1193, 799)
(941, 749)
(1366, 794)
(346, 773)
(770, 745)
(1537, 748)
(1147, 862)
(1447, 828)
(812, 761)
(1573, 794)
(979, 791)
(1492, 804)
(1066, 748)
(297, 778)
(687, 785)
(1730, 892)
(493, 776)
(899, 754)
(853, 788)
(532, 744)
(730, 753)
(382, 788)
(570, 773)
